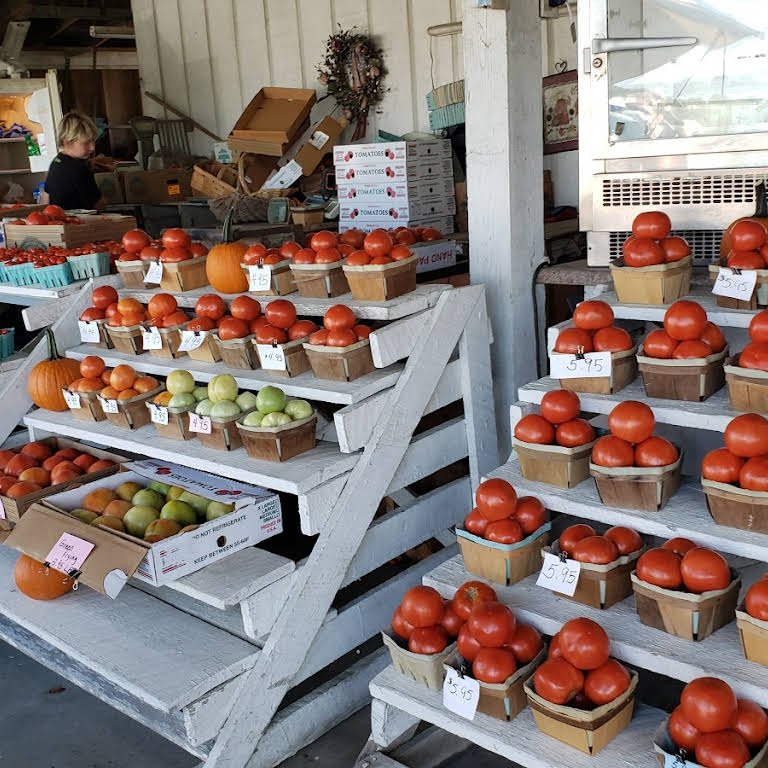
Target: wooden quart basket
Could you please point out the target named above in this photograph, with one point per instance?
(296, 360)
(128, 340)
(382, 282)
(171, 340)
(279, 443)
(283, 281)
(133, 412)
(690, 380)
(177, 427)
(504, 701)
(320, 281)
(754, 636)
(553, 464)
(105, 341)
(684, 614)
(588, 731)
(225, 435)
(759, 296)
(736, 507)
(747, 388)
(341, 363)
(132, 272)
(90, 407)
(427, 670)
(502, 563)
(647, 488)
(658, 284)
(208, 351)
(184, 275)
(623, 372)
(238, 353)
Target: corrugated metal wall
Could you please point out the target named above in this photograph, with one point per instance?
(209, 57)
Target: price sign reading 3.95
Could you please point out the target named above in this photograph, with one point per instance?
(558, 575)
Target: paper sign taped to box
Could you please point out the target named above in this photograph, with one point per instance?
(285, 177)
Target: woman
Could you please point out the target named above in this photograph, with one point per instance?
(70, 183)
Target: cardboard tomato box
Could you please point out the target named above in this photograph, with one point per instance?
(383, 153)
(117, 556)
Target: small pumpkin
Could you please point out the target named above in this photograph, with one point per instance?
(38, 582)
(48, 377)
(222, 265)
(760, 216)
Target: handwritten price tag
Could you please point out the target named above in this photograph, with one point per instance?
(676, 761)
(191, 340)
(89, 332)
(158, 414)
(68, 553)
(461, 694)
(2, 511)
(558, 576)
(272, 357)
(589, 366)
(735, 286)
(154, 273)
(152, 338)
(109, 406)
(201, 424)
(72, 399)
(259, 277)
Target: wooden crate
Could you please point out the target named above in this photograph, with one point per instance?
(427, 670)
(9, 212)
(177, 427)
(238, 353)
(690, 380)
(296, 360)
(736, 507)
(553, 464)
(225, 436)
(753, 634)
(279, 443)
(747, 388)
(218, 184)
(658, 284)
(171, 340)
(623, 372)
(129, 341)
(105, 226)
(320, 281)
(132, 413)
(637, 487)
(208, 351)
(684, 614)
(283, 281)
(382, 282)
(184, 275)
(341, 363)
(307, 217)
(132, 272)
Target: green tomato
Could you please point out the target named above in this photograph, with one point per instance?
(270, 399)
(204, 408)
(182, 400)
(179, 382)
(201, 393)
(224, 409)
(298, 409)
(222, 387)
(253, 419)
(246, 401)
(276, 419)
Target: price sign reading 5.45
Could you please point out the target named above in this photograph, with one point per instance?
(591, 365)
(735, 284)
(461, 694)
(558, 575)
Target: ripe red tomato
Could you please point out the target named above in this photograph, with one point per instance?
(161, 304)
(723, 749)
(611, 340)
(653, 224)
(400, 253)
(150, 253)
(320, 338)
(328, 256)
(358, 259)
(530, 513)
(721, 466)
(573, 340)
(713, 336)
(400, 626)
(747, 235)
(660, 567)
(703, 570)
(659, 344)
(304, 256)
(709, 704)
(558, 681)
(405, 236)
(495, 499)
(492, 624)
(555, 651)
(362, 331)
(756, 600)
(655, 452)
(632, 421)
(675, 248)
(55, 213)
(422, 606)
(301, 329)
(755, 356)
(747, 435)
(685, 320)
(745, 260)
(595, 549)
(197, 250)
(526, 644)
(378, 243)
(322, 240)
(494, 665)
(470, 594)
(573, 433)
(211, 305)
(475, 523)
(607, 682)
(681, 731)
(585, 643)
(466, 644)
(678, 545)
(506, 531)
(754, 474)
(93, 313)
(451, 621)
(268, 334)
(353, 237)
(751, 723)
(560, 405)
(428, 640)
(574, 534)
(376, 260)
(201, 324)
(534, 428)
(280, 313)
(255, 254)
(103, 296)
(339, 317)
(625, 539)
(758, 327)
(642, 252)
(134, 240)
(287, 250)
(693, 349)
(233, 328)
(245, 308)
(175, 255)
(611, 451)
(593, 315)
(175, 238)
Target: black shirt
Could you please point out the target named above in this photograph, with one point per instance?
(70, 183)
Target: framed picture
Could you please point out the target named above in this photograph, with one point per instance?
(561, 112)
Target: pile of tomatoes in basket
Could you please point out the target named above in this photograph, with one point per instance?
(558, 423)
(54, 254)
(755, 353)
(650, 243)
(173, 247)
(744, 460)
(582, 542)
(51, 214)
(681, 565)
(749, 245)
(593, 331)
(687, 334)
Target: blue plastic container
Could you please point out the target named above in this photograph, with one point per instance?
(7, 343)
(55, 276)
(89, 265)
(22, 274)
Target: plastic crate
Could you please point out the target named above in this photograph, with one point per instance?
(89, 265)
(445, 117)
(21, 274)
(3, 274)
(7, 343)
(55, 276)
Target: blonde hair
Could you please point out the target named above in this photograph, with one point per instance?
(76, 125)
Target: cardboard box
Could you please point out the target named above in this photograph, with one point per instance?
(384, 153)
(93, 228)
(323, 138)
(418, 170)
(439, 254)
(165, 186)
(393, 212)
(393, 192)
(275, 115)
(117, 556)
(111, 187)
(444, 224)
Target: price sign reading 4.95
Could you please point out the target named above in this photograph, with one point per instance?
(152, 338)
(558, 575)
(158, 414)
(89, 332)
(461, 694)
(154, 273)
(590, 365)
(191, 340)
(272, 357)
(735, 284)
(259, 277)
(72, 399)
(200, 424)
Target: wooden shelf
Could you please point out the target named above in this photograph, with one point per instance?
(307, 385)
(298, 476)
(519, 740)
(718, 655)
(33, 294)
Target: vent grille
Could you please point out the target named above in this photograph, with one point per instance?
(705, 243)
(681, 190)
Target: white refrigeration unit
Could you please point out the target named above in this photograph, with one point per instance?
(673, 116)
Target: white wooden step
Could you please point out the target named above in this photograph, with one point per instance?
(718, 655)
(519, 740)
(27, 295)
(685, 514)
(306, 385)
(714, 413)
(424, 297)
(300, 474)
(159, 655)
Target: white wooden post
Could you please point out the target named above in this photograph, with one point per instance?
(502, 72)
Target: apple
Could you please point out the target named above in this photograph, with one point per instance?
(246, 401)
(149, 497)
(180, 511)
(222, 387)
(127, 491)
(276, 419)
(253, 419)
(137, 519)
(225, 409)
(218, 509)
(182, 400)
(173, 493)
(85, 515)
(198, 503)
(204, 407)
(161, 488)
(298, 409)
(180, 381)
(270, 399)
(200, 393)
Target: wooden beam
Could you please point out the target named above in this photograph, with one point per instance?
(64, 26)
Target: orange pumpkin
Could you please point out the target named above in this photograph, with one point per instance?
(49, 377)
(38, 582)
(222, 264)
(760, 216)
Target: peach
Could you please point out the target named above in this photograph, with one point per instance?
(161, 529)
(97, 466)
(18, 464)
(117, 508)
(36, 475)
(98, 500)
(84, 460)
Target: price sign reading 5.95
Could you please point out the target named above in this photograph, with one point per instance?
(461, 694)
(591, 365)
(735, 285)
(558, 575)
